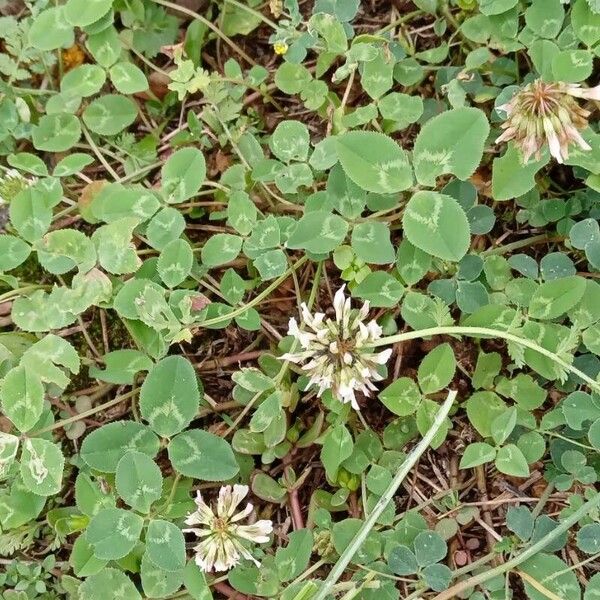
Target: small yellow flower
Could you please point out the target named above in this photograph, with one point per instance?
(280, 47)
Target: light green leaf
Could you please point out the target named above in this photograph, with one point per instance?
(175, 262)
(56, 133)
(554, 298)
(437, 224)
(110, 114)
(319, 232)
(202, 455)
(371, 242)
(437, 369)
(374, 162)
(138, 480)
(220, 249)
(169, 397)
(86, 12)
(113, 532)
(108, 581)
(22, 396)
(128, 78)
(103, 448)
(42, 464)
(452, 142)
(165, 545)
(510, 461)
(477, 453)
(183, 175)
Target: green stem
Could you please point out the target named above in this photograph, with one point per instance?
(254, 12)
(242, 309)
(209, 24)
(343, 561)
(84, 414)
(514, 562)
(530, 241)
(486, 332)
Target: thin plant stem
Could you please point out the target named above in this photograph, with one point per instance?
(485, 332)
(411, 460)
(530, 551)
(209, 24)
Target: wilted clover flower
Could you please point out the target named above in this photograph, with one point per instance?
(220, 547)
(11, 183)
(335, 353)
(547, 112)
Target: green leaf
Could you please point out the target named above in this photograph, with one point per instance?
(290, 141)
(30, 215)
(42, 464)
(166, 225)
(436, 224)
(110, 114)
(175, 262)
(165, 545)
(156, 582)
(554, 298)
(82, 559)
(121, 366)
(402, 109)
(109, 581)
(380, 288)
(241, 212)
(430, 548)
(292, 560)
(84, 80)
(337, 447)
(371, 242)
(86, 12)
(105, 46)
(25, 161)
(103, 448)
(510, 177)
(50, 30)
(553, 574)
(588, 538)
(169, 397)
(402, 561)
(183, 175)
(56, 133)
(482, 409)
(220, 249)
(510, 461)
(503, 425)
(72, 164)
(452, 142)
(437, 577)
(9, 444)
(319, 232)
(116, 251)
(113, 532)
(586, 23)
(477, 453)
(13, 252)
(437, 369)
(22, 395)
(65, 249)
(138, 480)
(520, 521)
(271, 264)
(195, 582)
(545, 17)
(128, 78)
(374, 162)
(402, 397)
(202, 455)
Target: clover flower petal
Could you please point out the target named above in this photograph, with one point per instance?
(547, 113)
(220, 533)
(335, 353)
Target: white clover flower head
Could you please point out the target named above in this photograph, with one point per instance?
(335, 353)
(220, 547)
(547, 113)
(11, 183)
